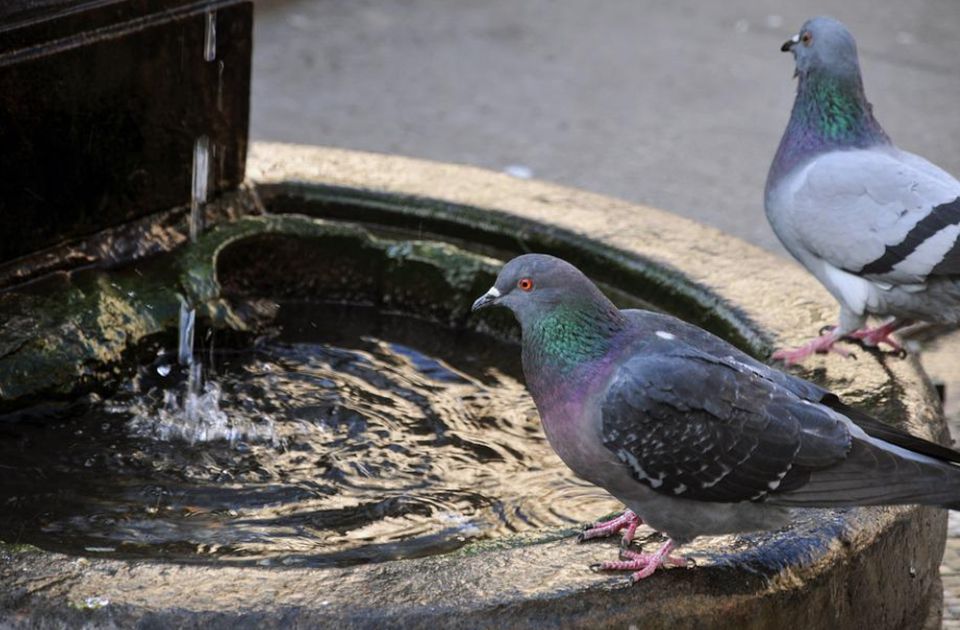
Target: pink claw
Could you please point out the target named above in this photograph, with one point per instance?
(628, 521)
(880, 334)
(820, 345)
(826, 343)
(644, 564)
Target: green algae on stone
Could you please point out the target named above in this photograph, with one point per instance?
(652, 281)
(64, 331)
(18, 548)
(60, 331)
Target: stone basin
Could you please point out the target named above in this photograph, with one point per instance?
(873, 567)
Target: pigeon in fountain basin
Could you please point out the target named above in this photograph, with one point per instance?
(694, 436)
(875, 224)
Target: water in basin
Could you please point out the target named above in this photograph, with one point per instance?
(345, 436)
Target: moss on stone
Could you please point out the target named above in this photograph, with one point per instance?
(64, 331)
(18, 548)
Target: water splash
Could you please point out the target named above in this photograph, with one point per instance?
(191, 411)
(198, 190)
(194, 414)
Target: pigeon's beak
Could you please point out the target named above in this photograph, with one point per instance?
(790, 43)
(485, 300)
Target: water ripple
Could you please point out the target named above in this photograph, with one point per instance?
(346, 448)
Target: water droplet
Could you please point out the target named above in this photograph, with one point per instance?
(198, 192)
(220, 67)
(210, 37)
(163, 370)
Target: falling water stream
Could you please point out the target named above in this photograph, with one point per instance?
(199, 183)
(188, 320)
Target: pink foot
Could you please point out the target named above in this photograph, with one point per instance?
(627, 521)
(822, 344)
(644, 564)
(880, 334)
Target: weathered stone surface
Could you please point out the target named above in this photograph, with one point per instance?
(63, 333)
(862, 569)
(852, 568)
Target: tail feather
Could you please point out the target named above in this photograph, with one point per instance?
(878, 473)
(887, 433)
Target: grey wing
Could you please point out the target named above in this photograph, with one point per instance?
(883, 214)
(652, 323)
(690, 426)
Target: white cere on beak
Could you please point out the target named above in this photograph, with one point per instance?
(486, 299)
(664, 335)
(795, 39)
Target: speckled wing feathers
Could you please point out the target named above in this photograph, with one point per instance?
(695, 337)
(690, 425)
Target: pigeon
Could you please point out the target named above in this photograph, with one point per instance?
(876, 225)
(694, 436)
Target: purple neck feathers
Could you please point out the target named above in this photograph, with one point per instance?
(831, 112)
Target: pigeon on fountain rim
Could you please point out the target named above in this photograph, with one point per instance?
(694, 436)
(876, 225)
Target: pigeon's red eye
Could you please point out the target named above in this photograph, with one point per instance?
(806, 38)
(525, 284)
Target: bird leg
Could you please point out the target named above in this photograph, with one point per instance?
(628, 521)
(819, 345)
(881, 334)
(869, 337)
(644, 564)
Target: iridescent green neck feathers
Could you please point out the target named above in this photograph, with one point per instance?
(830, 112)
(570, 335)
(836, 109)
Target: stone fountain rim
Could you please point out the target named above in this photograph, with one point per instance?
(503, 586)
